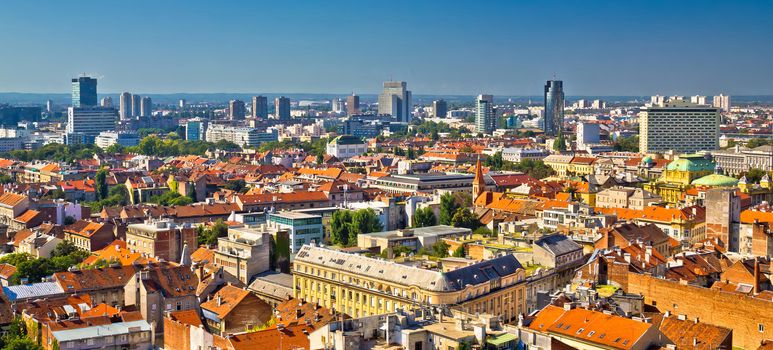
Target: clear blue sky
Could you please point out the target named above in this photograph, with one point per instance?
(504, 47)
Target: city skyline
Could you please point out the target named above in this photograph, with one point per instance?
(435, 54)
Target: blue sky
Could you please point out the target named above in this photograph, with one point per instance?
(439, 47)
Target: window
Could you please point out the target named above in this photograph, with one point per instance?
(761, 327)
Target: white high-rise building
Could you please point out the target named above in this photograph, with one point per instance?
(125, 105)
(657, 100)
(338, 105)
(395, 100)
(106, 102)
(485, 119)
(136, 105)
(722, 102)
(146, 107)
(680, 126)
(181, 103)
(698, 100)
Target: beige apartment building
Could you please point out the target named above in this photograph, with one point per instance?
(626, 197)
(360, 286)
(244, 253)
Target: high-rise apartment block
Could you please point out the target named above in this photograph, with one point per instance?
(136, 105)
(722, 102)
(439, 109)
(259, 107)
(125, 105)
(698, 100)
(337, 105)
(680, 126)
(352, 104)
(106, 102)
(485, 119)
(146, 107)
(554, 108)
(395, 100)
(282, 108)
(84, 92)
(181, 103)
(236, 110)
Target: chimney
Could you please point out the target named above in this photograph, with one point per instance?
(219, 300)
(756, 289)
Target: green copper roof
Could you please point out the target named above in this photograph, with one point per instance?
(647, 159)
(715, 180)
(691, 163)
(347, 140)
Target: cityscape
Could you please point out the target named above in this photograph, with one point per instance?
(464, 202)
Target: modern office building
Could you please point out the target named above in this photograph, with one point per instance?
(303, 228)
(242, 136)
(680, 126)
(554, 107)
(352, 104)
(125, 105)
(282, 108)
(49, 106)
(722, 102)
(84, 92)
(106, 102)
(588, 134)
(361, 286)
(236, 110)
(439, 109)
(485, 119)
(146, 107)
(90, 121)
(195, 129)
(395, 100)
(259, 107)
(106, 139)
(136, 105)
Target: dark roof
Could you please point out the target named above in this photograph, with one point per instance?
(483, 271)
(558, 244)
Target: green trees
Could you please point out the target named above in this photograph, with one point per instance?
(17, 338)
(236, 185)
(64, 255)
(100, 183)
(447, 208)
(171, 198)
(345, 225)
(463, 217)
(559, 144)
(459, 252)
(753, 143)
(534, 168)
(495, 162)
(440, 249)
(424, 217)
(117, 195)
(627, 144)
(754, 175)
(210, 235)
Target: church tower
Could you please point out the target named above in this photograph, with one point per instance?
(478, 184)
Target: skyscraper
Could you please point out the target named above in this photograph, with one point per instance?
(680, 126)
(554, 107)
(485, 119)
(337, 105)
(352, 104)
(125, 105)
(181, 103)
(236, 110)
(259, 107)
(395, 100)
(282, 108)
(49, 106)
(84, 92)
(722, 102)
(106, 101)
(136, 105)
(439, 108)
(89, 121)
(146, 107)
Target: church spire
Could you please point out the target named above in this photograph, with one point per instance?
(478, 184)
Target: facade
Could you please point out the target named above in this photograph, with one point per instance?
(303, 228)
(146, 107)
(162, 239)
(361, 286)
(108, 138)
(135, 335)
(424, 183)
(439, 109)
(234, 310)
(346, 146)
(485, 118)
(282, 108)
(90, 121)
(84, 92)
(236, 110)
(517, 154)
(626, 197)
(588, 134)
(395, 100)
(195, 129)
(698, 100)
(244, 253)
(125, 106)
(679, 126)
(106, 102)
(259, 107)
(136, 105)
(554, 107)
(242, 136)
(352, 105)
(739, 160)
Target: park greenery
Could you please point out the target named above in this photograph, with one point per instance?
(210, 235)
(64, 255)
(424, 217)
(346, 225)
(534, 168)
